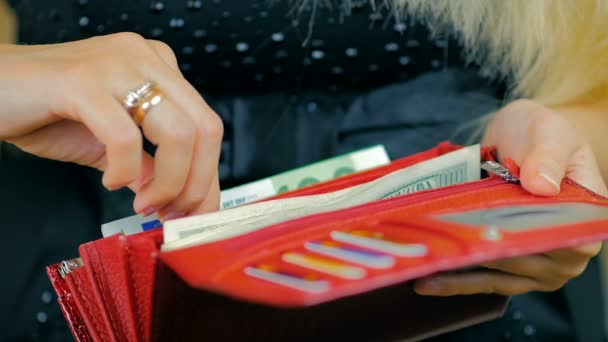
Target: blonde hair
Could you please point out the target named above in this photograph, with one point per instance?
(554, 51)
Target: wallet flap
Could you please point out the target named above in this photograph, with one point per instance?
(143, 255)
(90, 305)
(324, 257)
(107, 263)
(67, 303)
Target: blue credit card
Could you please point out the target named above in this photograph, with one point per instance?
(131, 225)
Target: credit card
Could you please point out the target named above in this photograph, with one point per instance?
(377, 241)
(130, 225)
(324, 265)
(309, 283)
(352, 254)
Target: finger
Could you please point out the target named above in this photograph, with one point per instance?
(111, 124)
(147, 172)
(212, 201)
(177, 209)
(482, 282)
(169, 128)
(65, 140)
(583, 169)
(165, 53)
(549, 155)
(577, 254)
(533, 266)
(209, 132)
(202, 177)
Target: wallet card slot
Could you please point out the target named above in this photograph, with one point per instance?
(527, 217)
(351, 254)
(377, 241)
(395, 223)
(302, 281)
(324, 265)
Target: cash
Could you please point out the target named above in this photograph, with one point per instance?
(321, 171)
(453, 168)
(307, 175)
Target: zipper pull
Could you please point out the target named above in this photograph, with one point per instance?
(499, 170)
(68, 266)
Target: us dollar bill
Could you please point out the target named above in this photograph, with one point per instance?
(453, 168)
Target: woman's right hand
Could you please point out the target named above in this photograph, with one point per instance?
(63, 102)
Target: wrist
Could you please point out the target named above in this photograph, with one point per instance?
(25, 86)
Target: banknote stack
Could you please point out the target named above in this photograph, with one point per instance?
(241, 214)
(321, 171)
(453, 168)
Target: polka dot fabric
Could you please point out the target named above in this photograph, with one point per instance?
(233, 45)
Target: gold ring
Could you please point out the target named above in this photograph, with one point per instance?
(140, 101)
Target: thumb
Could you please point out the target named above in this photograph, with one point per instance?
(542, 170)
(548, 157)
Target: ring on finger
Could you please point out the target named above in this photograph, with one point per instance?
(133, 97)
(140, 101)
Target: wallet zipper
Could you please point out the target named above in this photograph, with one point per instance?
(68, 266)
(504, 177)
(500, 171)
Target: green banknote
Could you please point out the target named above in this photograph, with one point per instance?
(321, 171)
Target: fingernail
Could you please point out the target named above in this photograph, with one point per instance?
(148, 211)
(550, 179)
(173, 215)
(111, 187)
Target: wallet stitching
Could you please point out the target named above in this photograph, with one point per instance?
(88, 307)
(67, 303)
(137, 293)
(103, 293)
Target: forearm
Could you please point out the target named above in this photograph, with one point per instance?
(591, 120)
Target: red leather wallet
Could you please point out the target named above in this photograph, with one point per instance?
(341, 274)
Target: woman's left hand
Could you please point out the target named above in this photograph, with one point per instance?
(547, 148)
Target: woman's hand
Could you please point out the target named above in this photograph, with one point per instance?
(63, 102)
(547, 148)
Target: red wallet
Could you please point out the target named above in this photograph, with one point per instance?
(337, 275)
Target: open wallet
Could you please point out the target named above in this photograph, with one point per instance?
(338, 274)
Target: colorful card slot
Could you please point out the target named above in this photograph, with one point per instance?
(440, 243)
(351, 254)
(377, 241)
(309, 283)
(325, 265)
